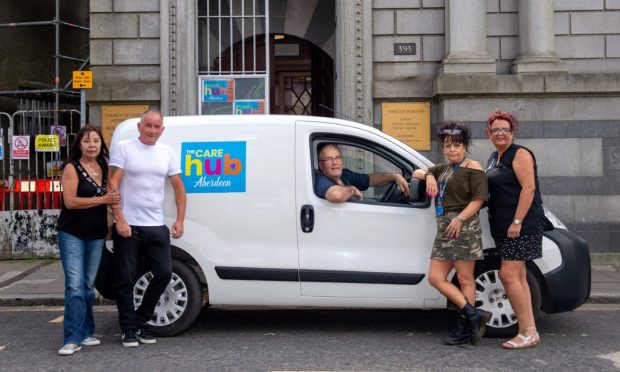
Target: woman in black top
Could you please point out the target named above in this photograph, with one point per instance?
(460, 188)
(515, 216)
(82, 227)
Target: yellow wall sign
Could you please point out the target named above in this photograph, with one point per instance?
(46, 143)
(111, 116)
(410, 122)
(82, 80)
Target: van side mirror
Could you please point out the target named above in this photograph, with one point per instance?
(417, 194)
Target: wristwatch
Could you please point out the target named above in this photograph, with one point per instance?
(516, 221)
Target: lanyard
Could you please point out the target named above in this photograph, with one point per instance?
(444, 183)
(493, 163)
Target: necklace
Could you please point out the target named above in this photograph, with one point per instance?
(95, 173)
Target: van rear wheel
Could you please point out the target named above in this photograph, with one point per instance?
(492, 297)
(179, 305)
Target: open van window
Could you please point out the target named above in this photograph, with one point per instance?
(357, 159)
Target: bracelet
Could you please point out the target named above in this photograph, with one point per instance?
(427, 174)
(458, 217)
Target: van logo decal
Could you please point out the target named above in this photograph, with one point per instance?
(213, 167)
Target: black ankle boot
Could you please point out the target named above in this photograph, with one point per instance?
(461, 334)
(477, 321)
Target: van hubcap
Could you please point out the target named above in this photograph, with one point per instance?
(172, 303)
(491, 297)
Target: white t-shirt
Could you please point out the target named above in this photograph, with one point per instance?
(145, 168)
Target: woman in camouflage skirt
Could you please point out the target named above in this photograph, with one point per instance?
(459, 187)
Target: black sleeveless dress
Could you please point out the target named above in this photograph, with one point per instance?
(504, 190)
(90, 223)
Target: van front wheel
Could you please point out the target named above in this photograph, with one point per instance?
(492, 297)
(179, 305)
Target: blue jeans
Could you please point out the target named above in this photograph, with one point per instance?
(80, 261)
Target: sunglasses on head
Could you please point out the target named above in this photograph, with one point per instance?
(450, 131)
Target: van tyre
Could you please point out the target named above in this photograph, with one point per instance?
(178, 306)
(491, 296)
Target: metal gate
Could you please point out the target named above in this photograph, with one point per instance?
(30, 172)
(30, 169)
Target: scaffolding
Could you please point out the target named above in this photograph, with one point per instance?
(56, 91)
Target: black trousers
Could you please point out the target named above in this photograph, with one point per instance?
(152, 242)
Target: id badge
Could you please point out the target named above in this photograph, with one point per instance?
(439, 210)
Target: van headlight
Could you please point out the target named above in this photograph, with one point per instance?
(554, 219)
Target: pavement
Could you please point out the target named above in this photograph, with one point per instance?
(36, 282)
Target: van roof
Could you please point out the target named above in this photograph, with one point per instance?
(170, 122)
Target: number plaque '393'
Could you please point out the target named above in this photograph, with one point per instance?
(404, 49)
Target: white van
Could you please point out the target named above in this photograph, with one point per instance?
(256, 233)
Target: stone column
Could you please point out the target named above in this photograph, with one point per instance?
(354, 60)
(179, 82)
(466, 38)
(536, 39)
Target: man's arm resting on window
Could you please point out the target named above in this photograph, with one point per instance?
(340, 194)
(382, 179)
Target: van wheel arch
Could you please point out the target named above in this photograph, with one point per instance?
(180, 255)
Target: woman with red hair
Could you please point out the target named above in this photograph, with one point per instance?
(516, 219)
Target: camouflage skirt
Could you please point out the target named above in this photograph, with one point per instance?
(468, 246)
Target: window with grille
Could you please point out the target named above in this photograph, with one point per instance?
(233, 56)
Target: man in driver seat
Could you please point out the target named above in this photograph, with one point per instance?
(338, 184)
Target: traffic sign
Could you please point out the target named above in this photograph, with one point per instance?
(82, 79)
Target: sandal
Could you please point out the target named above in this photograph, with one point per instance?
(526, 342)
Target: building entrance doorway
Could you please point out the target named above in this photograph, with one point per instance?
(301, 75)
(301, 78)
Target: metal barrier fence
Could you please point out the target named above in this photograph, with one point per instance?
(5, 157)
(30, 158)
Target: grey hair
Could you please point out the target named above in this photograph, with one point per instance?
(151, 111)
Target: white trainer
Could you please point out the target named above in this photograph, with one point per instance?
(69, 349)
(91, 341)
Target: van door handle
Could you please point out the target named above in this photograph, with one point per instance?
(307, 218)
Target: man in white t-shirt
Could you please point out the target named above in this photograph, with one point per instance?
(138, 170)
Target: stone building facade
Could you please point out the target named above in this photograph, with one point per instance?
(555, 64)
